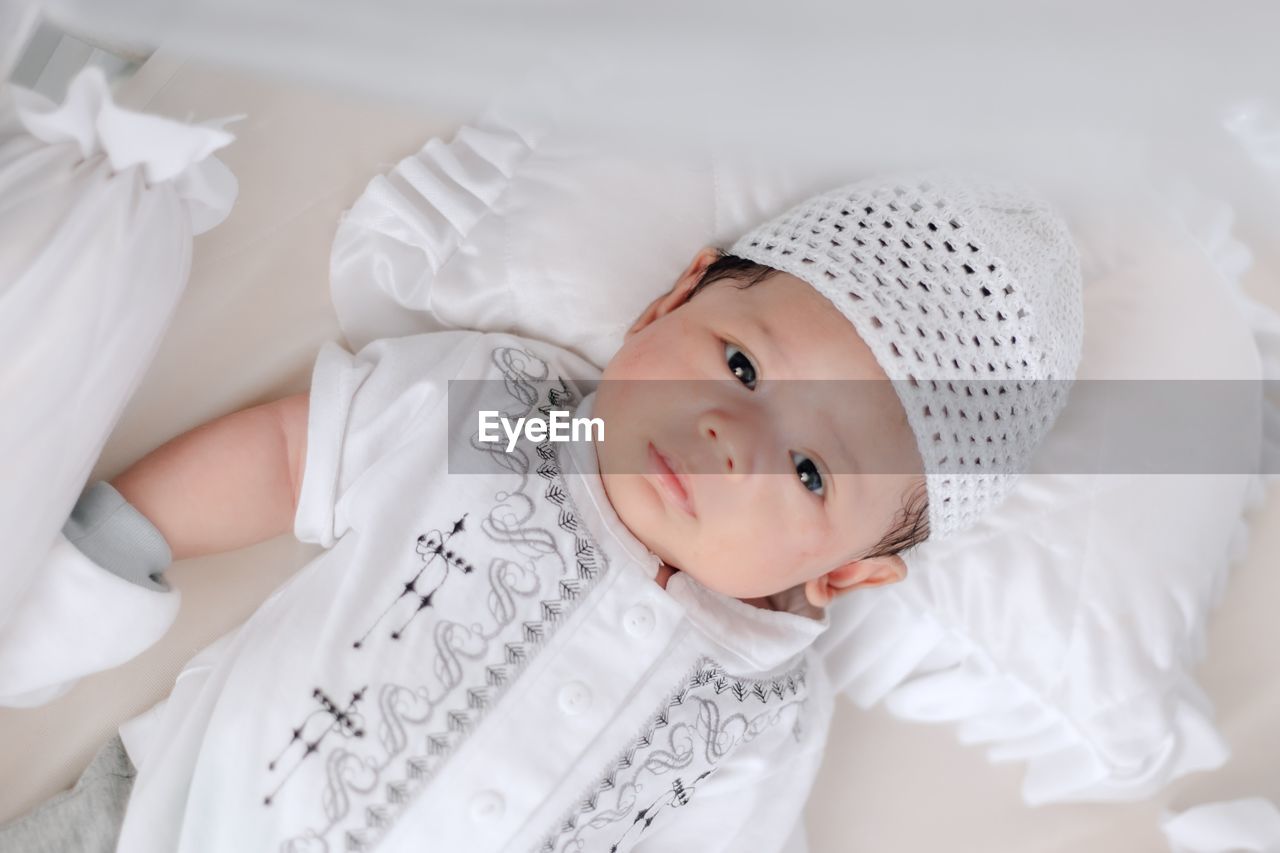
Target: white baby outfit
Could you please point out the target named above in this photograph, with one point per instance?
(480, 661)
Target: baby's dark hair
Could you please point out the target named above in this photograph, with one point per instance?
(911, 525)
(740, 271)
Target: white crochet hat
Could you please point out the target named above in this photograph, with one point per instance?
(968, 294)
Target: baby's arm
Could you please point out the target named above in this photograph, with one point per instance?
(96, 604)
(229, 483)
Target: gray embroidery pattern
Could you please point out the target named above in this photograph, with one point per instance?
(415, 728)
(709, 716)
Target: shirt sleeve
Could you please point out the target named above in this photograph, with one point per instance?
(755, 804)
(363, 407)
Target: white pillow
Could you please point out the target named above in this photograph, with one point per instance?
(1062, 631)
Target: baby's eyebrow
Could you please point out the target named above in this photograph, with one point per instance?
(773, 347)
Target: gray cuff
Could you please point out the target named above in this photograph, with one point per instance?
(108, 530)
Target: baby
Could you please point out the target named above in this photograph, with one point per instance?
(597, 646)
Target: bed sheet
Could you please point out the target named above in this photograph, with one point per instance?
(256, 311)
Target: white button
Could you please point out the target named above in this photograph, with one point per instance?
(638, 621)
(487, 806)
(575, 697)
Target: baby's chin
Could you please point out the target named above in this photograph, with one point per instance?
(643, 514)
(719, 578)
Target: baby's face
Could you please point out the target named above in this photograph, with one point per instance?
(735, 472)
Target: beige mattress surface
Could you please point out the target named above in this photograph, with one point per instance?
(256, 311)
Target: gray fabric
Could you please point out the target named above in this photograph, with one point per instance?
(86, 819)
(108, 530)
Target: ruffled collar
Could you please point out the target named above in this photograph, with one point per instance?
(754, 637)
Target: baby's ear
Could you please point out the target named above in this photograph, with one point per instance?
(679, 294)
(874, 571)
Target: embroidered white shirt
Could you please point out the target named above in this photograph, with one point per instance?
(482, 659)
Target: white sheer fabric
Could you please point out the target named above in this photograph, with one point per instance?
(97, 207)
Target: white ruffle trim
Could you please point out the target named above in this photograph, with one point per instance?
(408, 223)
(1209, 223)
(927, 673)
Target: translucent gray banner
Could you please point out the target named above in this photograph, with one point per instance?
(968, 427)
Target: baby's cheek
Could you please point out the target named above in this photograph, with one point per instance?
(808, 542)
(730, 569)
(645, 353)
(664, 350)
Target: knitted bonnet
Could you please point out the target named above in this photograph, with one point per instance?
(968, 295)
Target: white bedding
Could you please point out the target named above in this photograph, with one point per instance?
(1060, 630)
(256, 312)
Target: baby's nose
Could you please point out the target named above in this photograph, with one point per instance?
(730, 443)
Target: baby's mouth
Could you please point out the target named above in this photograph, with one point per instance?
(673, 484)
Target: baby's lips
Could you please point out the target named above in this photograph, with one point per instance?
(674, 483)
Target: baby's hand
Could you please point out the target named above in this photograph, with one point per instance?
(227, 484)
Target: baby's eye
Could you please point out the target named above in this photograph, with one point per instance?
(808, 473)
(740, 365)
